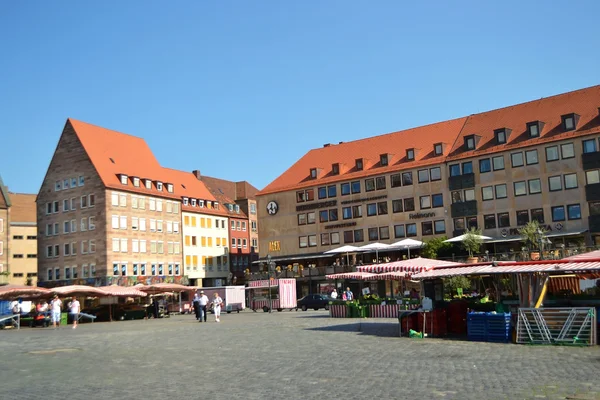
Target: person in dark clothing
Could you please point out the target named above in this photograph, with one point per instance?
(196, 306)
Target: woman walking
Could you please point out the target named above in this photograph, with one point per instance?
(75, 308)
(216, 303)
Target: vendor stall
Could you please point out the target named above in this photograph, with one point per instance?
(273, 294)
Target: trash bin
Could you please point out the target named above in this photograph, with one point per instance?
(64, 318)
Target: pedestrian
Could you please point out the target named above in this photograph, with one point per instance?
(216, 303)
(202, 303)
(15, 307)
(196, 306)
(74, 309)
(349, 294)
(334, 294)
(55, 306)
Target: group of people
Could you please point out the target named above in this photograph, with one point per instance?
(201, 303)
(54, 309)
(346, 295)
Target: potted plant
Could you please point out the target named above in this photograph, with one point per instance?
(472, 243)
(532, 234)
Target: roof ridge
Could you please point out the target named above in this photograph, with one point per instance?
(107, 129)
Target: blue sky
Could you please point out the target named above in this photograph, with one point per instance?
(242, 89)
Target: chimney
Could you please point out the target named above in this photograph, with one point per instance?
(340, 142)
(197, 174)
(240, 190)
(327, 145)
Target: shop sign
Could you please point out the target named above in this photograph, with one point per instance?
(421, 215)
(314, 206)
(344, 225)
(274, 245)
(363, 199)
(272, 207)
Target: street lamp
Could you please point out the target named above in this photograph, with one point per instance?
(270, 265)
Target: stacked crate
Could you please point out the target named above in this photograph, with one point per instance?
(488, 327)
(436, 322)
(457, 318)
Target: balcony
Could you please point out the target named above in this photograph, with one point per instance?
(592, 192)
(464, 209)
(464, 181)
(594, 223)
(591, 160)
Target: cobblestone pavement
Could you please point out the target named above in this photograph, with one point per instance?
(287, 355)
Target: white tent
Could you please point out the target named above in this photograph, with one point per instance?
(462, 237)
(375, 246)
(408, 244)
(344, 249)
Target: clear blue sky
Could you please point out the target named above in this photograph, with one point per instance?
(242, 89)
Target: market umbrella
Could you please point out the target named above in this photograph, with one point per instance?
(351, 275)
(462, 237)
(375, 246)
(14, 291)
(163, 288)
(81, 290)
(344, 249)
(121, 291)
(408, 244)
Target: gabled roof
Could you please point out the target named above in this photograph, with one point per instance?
(584, 102)
(234, 190)
(23, 208)
(4, 194)
(422, 139)
(187, 185)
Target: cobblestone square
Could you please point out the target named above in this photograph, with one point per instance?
(286, 355)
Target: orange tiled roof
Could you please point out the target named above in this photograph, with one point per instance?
(584, 102)
(189, 186)
(422, 139)
(23, 207)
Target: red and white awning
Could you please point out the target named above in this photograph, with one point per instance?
(263, 283)
(352, 275)
(585, 256)
(413, 265)
(448, 272)
(122, 291)
(391, 276)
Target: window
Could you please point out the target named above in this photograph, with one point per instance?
(522, 217)
(333, 214)
(537, 214)
(520, 188)
(437, 200)
(570, 181)
(456, 197)
(411, 230)
(435, 174)
(114, 199)
(592, 177)
(534, 129)
(55, 204)
(347, 212)
(323, 216)
(384, 232)
(335, 169)
(535, 186)
(348, 237)
(380, 182)
(459, 224)
(67, 227)
(500, 136)
(123, 200)
(407, 179)
(382, 208)
(489, 221)
(567, 150)
(425, 202)
(399, 231)
(568, 122)
(345, 189)
(438, 149)
(531, 157)
(409, 204)
(301, 220)
(159, 186)
(123, 222)
(311, 217)
(426, 228)
(558, 213)
(355, 187)
(469, 194)
(503, 220)
(454, 170)
(371, 209)
(324, 239)
(470, 142)
(516, 159)
(410, 154)
(589, 146)
(397, 206)
(123, 179)
(487, 193)
(498, 163)
(551, 153)
(373, 234)
(369, 185)
(115, 222)
(396, 180)
(485, 165)
(467, 167)
(555, 183)
(383, 160)
(423, 175)
(359, 164)
(322, 192)
(594, 207)
(358, 236)
(439, 226)
(65, 205)
(331, 191)
(115, 244)
(356, 211)
(574, 211)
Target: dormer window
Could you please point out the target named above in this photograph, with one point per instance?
(438, 149)
(159, 186)
(230, 206)
(501, 136)
(569, 121)
(148, 184)
(123, 179)
(201, 203)
(185, 201)
(216, 205)
(170, 187)
(335, 169)
(237, 209)
(193, 202)
(313, 173)
(359, 164)
(136, 181)
(470, 142)
(410, 154)
(533, 129)
(383, 160)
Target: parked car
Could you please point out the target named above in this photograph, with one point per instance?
(314, 301)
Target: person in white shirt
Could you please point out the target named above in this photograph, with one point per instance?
(202, 303)
(334, 294)
(217, 307)
(55, 305)
(74, 309)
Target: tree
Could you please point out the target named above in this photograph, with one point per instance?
(531, 234)
(472, 241)
(435, 246)
(456, 282)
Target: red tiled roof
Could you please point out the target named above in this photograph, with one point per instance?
(422, 139)
(584, 102)
(187, 185)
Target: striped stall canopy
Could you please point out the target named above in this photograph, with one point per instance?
(352, 275)
(448, 272)
(561, 284)
(412, 265)
(585, 256)
(122, 291)
(550, 267)
(263, 283)
(390, 276)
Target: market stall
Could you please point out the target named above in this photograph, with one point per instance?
(273, 294)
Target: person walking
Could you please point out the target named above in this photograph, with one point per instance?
(349, 294)
(55, 306)
(216, 303)
(202, 303)
(74, 309)
(334, 294)
(196, 306)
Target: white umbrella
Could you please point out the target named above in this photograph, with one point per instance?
(462, 237)
(344, 249)
(375, 246)
(407, 244)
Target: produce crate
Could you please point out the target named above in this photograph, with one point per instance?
(488, 327)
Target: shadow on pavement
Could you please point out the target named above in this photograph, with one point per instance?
(364, 328)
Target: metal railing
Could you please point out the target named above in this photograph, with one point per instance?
(564, 326)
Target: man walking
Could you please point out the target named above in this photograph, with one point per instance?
(202, 303)
(55, 305)
(196, 306)
(75, 308)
